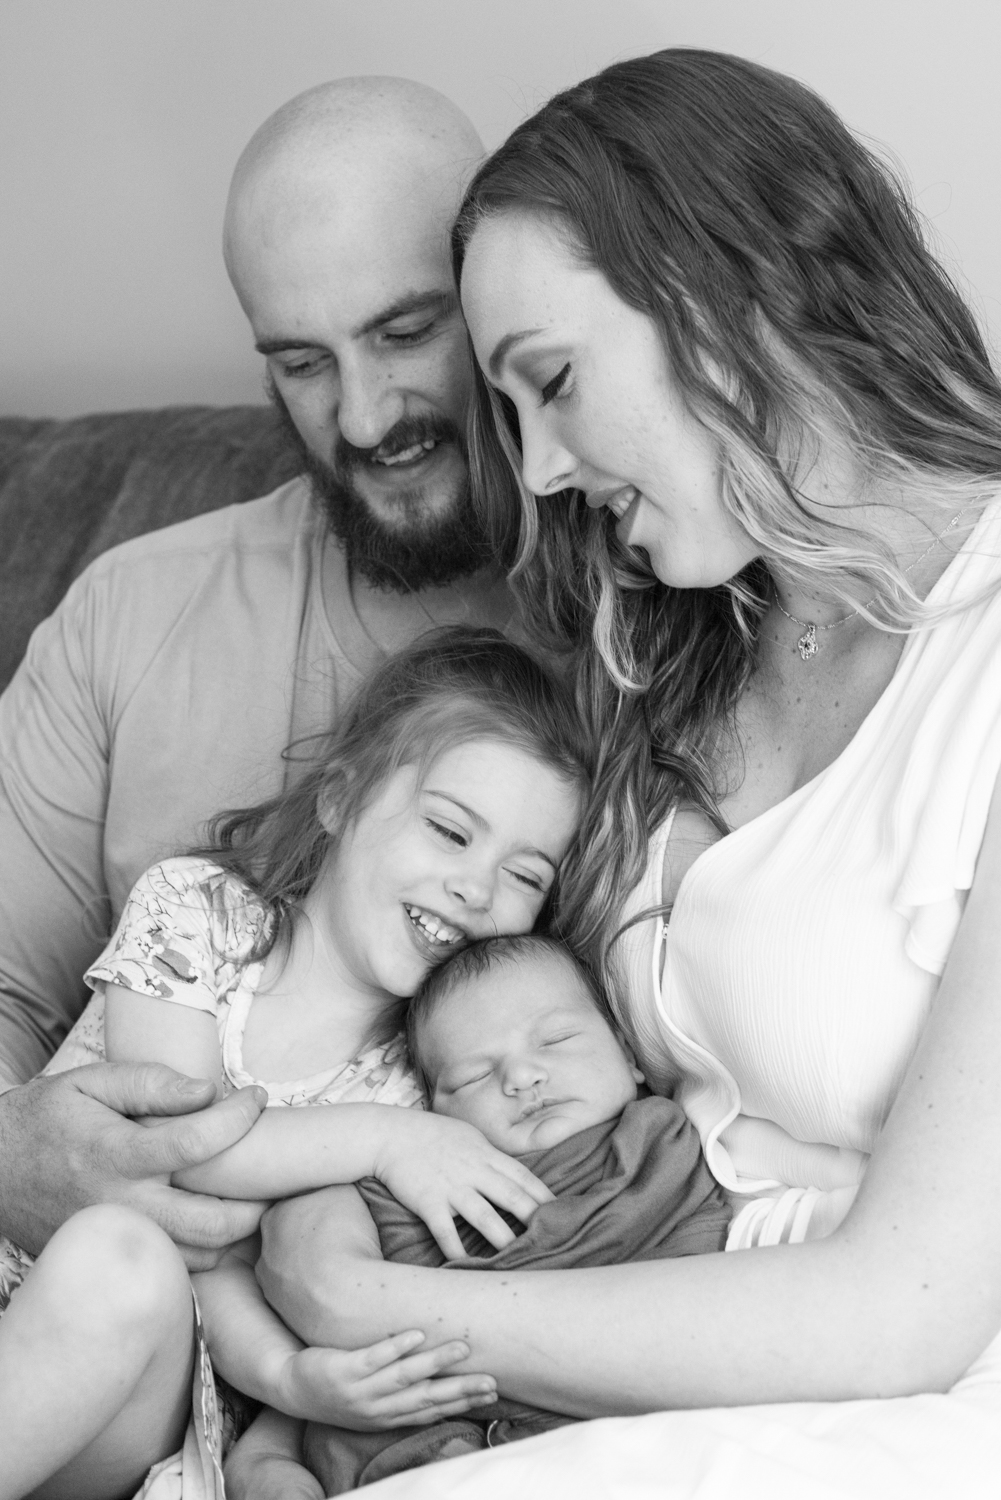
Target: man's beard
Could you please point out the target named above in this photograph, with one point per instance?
(420, 550)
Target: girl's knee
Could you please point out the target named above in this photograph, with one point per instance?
(117, 1257)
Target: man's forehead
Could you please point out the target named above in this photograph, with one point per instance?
(322, 283)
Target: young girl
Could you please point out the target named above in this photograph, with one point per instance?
(439, 813)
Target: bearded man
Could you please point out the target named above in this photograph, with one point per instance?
(167, 683)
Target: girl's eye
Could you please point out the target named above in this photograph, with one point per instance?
(452, 834)
(553, 387)
(529, 880)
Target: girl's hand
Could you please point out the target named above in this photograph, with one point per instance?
(439, 1167)
(385, 1385)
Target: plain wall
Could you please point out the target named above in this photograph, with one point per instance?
(120, 121)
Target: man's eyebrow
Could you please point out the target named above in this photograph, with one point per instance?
(436, 303)
(479, 822)
(504, 347)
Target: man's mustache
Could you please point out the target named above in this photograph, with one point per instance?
(402, 435)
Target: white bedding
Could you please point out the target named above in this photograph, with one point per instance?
(912, 1448)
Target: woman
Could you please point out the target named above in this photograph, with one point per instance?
(700, 306)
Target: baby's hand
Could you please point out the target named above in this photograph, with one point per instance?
(385, 1385)
(440, 1167)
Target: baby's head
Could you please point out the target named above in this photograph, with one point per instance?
(509, 1036)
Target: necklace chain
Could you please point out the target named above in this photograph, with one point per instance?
(808, 645)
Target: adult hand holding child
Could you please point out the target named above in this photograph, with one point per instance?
(78, 1125)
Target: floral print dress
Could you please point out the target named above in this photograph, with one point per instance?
(188, 935)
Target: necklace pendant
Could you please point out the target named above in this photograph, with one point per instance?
(807, 643)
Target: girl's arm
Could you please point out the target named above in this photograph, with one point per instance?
(901, 1298)
(437, 1166)
(386, 1385)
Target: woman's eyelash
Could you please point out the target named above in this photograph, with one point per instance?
(553, 387)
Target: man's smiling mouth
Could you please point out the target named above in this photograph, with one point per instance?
(433, 927)
(406, 455)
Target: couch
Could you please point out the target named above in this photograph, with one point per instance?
(71, 489)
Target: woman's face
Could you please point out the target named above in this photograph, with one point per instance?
(469, 852)
(597, 405)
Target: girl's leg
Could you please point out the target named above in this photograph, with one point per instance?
(96, 1360)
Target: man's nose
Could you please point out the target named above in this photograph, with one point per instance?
(546, 466)
(369, 403)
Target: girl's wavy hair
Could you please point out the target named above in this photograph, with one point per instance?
(787, 274)
(452, 686)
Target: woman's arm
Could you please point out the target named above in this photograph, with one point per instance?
(901, 1298)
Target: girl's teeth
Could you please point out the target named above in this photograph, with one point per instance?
(436, 929)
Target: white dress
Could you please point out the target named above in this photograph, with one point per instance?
(803, 953)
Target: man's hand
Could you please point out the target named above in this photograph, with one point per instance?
(66, 1142)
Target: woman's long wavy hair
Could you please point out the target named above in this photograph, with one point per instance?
(787, 274)
(455, 685)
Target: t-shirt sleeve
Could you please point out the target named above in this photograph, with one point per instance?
(53, 795)
(186, 934)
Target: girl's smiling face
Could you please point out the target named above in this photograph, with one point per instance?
(597, 405)
(471, 851)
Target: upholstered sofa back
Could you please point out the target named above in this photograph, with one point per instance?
(71, 489)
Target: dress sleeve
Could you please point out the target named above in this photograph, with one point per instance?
(186, 934)
(53, 795)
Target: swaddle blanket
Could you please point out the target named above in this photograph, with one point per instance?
(633, 1188)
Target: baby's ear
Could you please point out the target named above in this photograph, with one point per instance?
(630, 1057)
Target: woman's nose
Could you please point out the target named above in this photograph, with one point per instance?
(546, 466)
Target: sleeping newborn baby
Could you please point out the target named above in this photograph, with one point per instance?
(510, 1036)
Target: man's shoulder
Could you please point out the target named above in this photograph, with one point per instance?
(274, 522)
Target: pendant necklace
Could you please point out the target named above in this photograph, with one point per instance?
(808, 645)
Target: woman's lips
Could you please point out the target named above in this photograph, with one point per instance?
(619, 500)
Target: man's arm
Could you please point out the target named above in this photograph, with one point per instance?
(54, 914)
(63, 1141)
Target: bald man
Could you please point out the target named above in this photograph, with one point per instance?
(179, 665)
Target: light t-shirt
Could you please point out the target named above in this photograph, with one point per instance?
(161, 691)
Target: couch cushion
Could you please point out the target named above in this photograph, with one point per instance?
(69, 490)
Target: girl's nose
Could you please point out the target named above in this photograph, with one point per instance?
(546, 466)
(473, 887)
